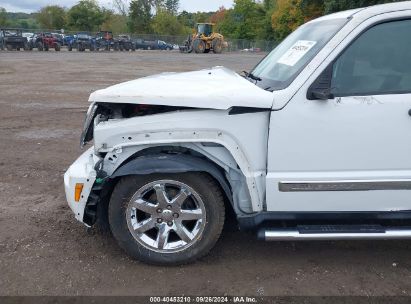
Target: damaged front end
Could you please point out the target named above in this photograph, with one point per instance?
(88, 170)
(98, 112)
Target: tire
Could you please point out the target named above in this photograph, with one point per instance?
(46, 48)
(57, 47)
(9, 47)
(40, 46)
(217, 45)
(199, 46)
(70, 48)
(204, 196)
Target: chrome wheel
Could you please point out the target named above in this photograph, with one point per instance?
(166, 216)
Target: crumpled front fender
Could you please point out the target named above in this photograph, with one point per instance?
(173, 163)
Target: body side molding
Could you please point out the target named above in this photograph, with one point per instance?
(344, 185)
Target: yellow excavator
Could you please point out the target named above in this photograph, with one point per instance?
(204, 40)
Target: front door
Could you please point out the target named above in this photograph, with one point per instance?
(351, 152)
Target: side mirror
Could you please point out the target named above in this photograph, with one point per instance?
(321, 88)
(321, 94)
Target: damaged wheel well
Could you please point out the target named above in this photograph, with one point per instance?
(161, 159)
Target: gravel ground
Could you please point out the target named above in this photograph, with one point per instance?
(44, 251)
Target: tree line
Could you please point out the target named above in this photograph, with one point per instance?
(247, 19)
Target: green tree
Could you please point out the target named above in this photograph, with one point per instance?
(86, 15)
(331, 6)
(244, 21)
(24, 24)
(3, 17)
(140, 16)
(186, 19)
(122, 6)
(51, 17)
(165, 23)
(115, 23)
(290, 14)
(269, 4)
(172, 6)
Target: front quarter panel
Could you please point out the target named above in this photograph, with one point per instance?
(244, 136)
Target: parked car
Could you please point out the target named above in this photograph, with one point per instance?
(59, 37)
(105, 40)
(82, 41)
(28, 36)
(145, 44)
(69, 40)
(44, 42)
(309, 145)
(162, 45)
(124, 43)
(12, 39)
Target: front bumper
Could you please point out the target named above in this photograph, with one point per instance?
(82, 172)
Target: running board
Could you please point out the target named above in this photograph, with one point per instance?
(334, 232)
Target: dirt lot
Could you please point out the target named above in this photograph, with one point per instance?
(44, 251)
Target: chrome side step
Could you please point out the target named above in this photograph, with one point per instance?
(331, 232)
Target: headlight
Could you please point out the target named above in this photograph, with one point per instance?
(87, 134)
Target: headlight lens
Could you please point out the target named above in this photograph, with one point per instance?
(87, 134)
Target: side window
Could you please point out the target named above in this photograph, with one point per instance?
(378, 62)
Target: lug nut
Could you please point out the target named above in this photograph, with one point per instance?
(169, 207)
(159, 210)
(175, 215)
(170, 224)
(159, 221)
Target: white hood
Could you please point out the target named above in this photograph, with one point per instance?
(216, 88)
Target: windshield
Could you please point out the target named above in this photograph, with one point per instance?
(82, 36)
(205, 29)
(12, 33)
(279, 68)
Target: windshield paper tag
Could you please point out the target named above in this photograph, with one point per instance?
(296, 52)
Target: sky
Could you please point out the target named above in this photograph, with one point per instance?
(28, 6)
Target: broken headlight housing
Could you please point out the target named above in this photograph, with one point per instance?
(87, 133)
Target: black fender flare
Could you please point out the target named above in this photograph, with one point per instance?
(173, 163)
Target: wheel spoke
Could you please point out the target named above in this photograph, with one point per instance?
(191, 215)
(162, 236)
(183, 233)
(144, 206)
(180, 198)
(145, 225)
(165, 207)
(161, 195)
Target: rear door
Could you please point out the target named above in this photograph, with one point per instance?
(351, 152)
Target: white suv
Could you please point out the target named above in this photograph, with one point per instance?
(309, 145)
